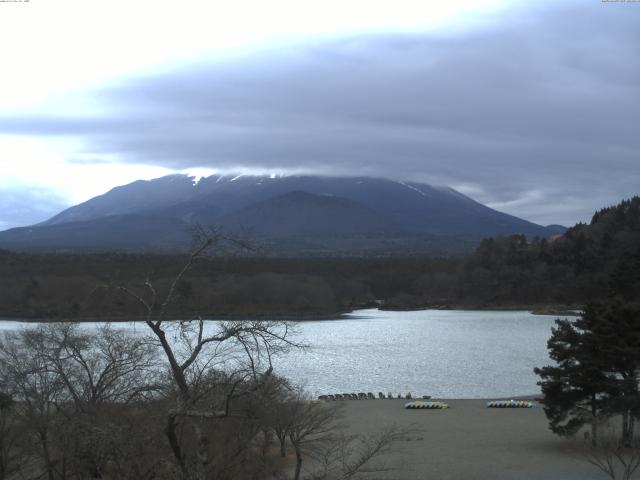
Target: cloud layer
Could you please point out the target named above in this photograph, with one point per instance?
(28, 204)
(537, 114)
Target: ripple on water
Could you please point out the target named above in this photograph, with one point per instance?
(443, 353)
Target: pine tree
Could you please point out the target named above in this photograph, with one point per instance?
(597, 371)
(616, 327)
(575, 390)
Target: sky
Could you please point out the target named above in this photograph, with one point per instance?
(532, 108)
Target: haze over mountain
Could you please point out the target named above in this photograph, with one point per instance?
(290, 215)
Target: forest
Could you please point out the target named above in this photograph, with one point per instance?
(505, 272)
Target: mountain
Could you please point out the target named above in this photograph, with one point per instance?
(302, 214)
(135, 197)
(290, 214)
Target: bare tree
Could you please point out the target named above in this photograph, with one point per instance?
(70, 388)
(103, 366)
(357, 456)
(183, 399)
(310, 425)
(322, 447)
(242, 350)
(39, 392)
(9, 436)
(102, 371)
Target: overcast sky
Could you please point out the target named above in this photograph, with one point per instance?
(532, 108)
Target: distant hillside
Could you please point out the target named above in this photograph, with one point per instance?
(292, 215)
(587, 262)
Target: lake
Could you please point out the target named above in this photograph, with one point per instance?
(442, 353)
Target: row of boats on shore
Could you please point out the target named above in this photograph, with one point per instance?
(420, 403)
(368, 396)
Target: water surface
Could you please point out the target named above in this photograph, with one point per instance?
(442, 353)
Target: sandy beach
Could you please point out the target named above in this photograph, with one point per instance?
(470, 441)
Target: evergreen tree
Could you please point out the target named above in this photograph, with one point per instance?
(616, 327)
(597, 371)
(575, 390)
(625, 278)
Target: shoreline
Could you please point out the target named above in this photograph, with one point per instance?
(533, 309)
(533, 397)
(302, 317)
(231, 317)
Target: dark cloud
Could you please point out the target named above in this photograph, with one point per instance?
(537, 114)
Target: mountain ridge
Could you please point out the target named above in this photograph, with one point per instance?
(375, 211)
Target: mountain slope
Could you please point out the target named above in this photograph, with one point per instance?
(135, 197)
(119, 232)
(300, 214)
(157, 213)
(421, 207)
